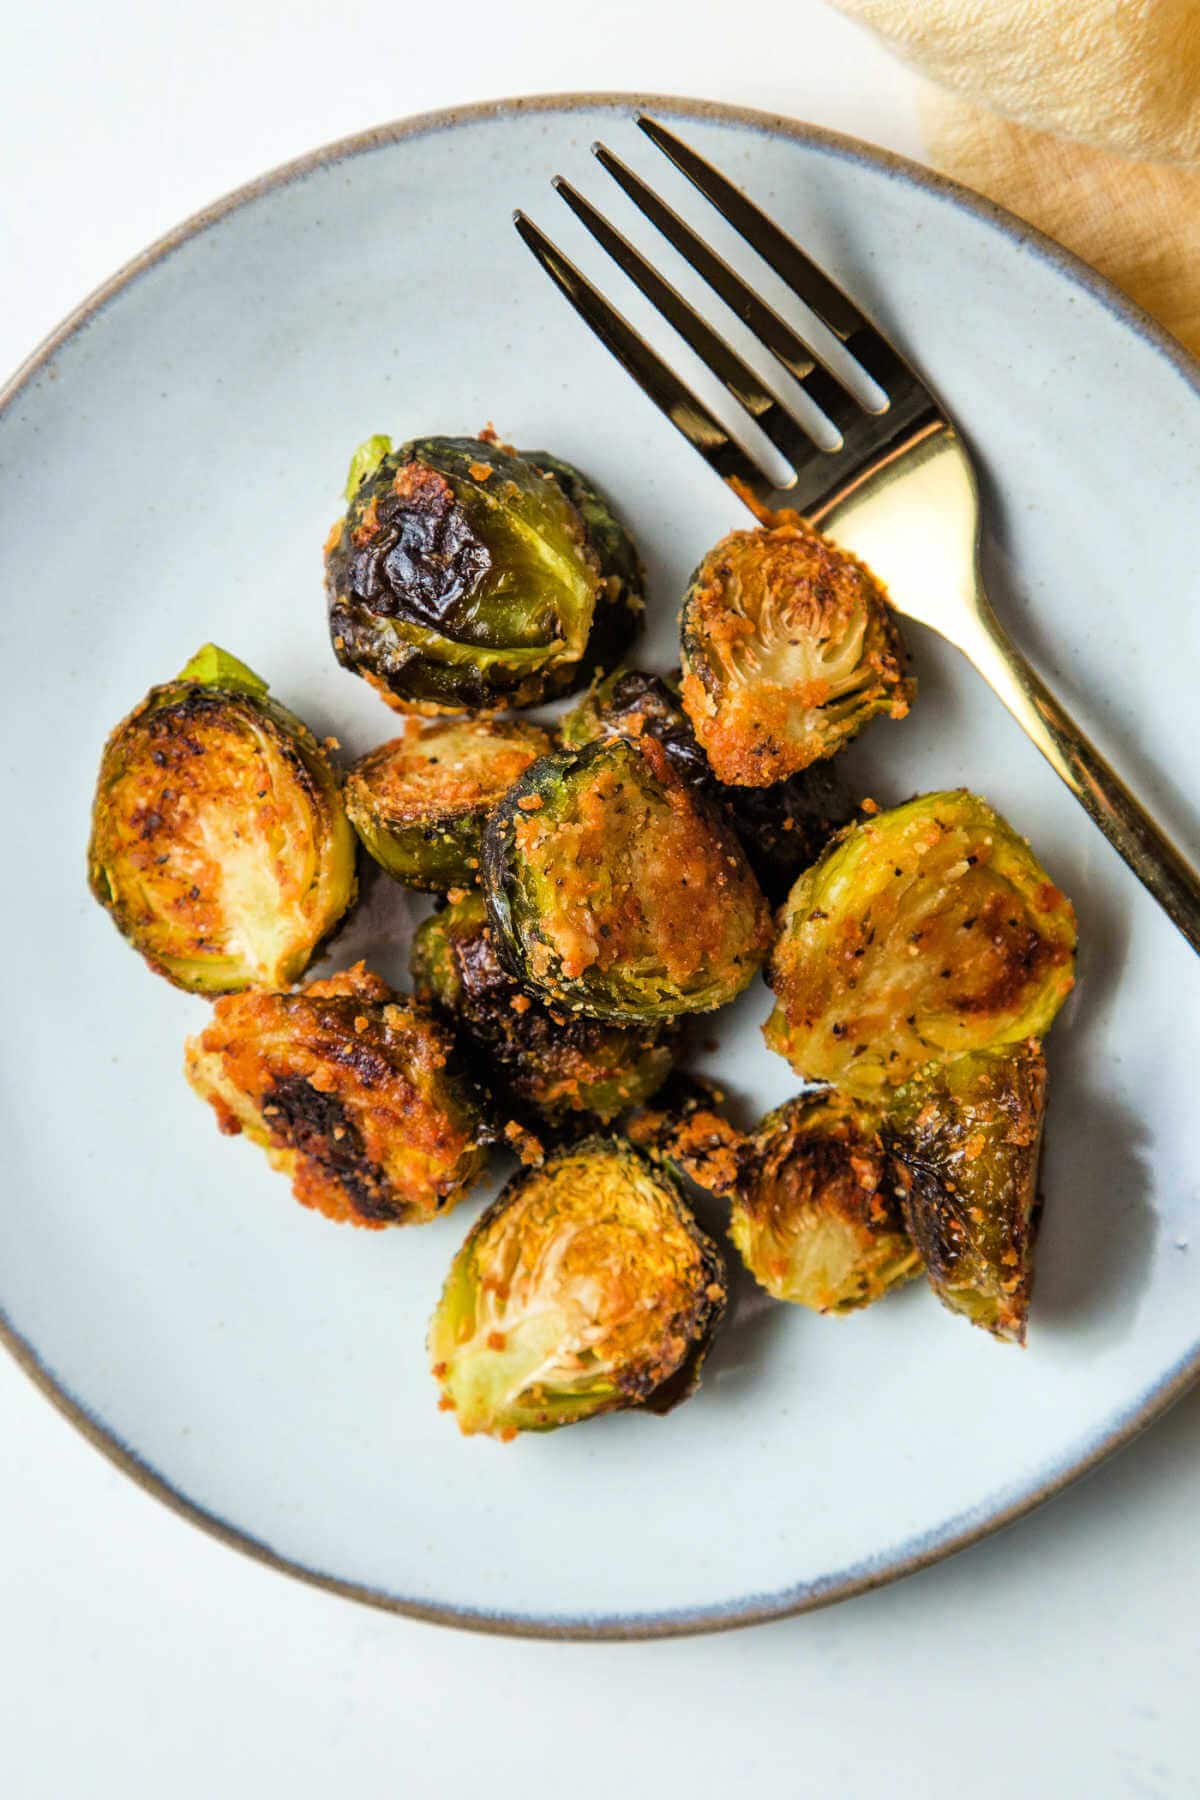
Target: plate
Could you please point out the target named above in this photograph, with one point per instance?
(171, 461)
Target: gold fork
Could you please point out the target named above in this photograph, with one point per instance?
(887, 473)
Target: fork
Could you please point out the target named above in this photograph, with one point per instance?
(884, 475)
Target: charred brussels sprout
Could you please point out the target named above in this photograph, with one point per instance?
(420, 802)
(219, 841)
(462, 575)
(789, 647)
(968, 1138)
(816, 1216)
(587, 1287)
(923, 933)
(351, 1090)
(617, 891)
(782, 828)
(560, 1064)
(685, 1129)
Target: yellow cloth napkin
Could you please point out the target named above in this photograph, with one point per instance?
(1083, 116)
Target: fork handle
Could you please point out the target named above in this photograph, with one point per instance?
(1158, 863)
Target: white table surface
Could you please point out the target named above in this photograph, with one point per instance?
(138, 1656)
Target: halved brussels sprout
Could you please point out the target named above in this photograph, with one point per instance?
(782, 828)
(816, 1215)
(560, 1064)
(352, 1090)
(419, 803)
(618, 891)
(464, 576)
(587, 1287)
(789, 647)
(968, 1138)
(685, 1129)
(219, 841)
(923, 933)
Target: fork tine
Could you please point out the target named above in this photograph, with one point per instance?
(823, 388)
(688, 414)
(764, 407)
(806, 279)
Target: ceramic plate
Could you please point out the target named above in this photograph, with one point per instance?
(171, 462)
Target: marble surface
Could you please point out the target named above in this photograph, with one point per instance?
(1058, 1658)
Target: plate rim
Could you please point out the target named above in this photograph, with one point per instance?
(924, 1551)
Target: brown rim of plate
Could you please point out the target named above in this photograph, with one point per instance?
(925, 1550)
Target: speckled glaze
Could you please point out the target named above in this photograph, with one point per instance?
(171, 460)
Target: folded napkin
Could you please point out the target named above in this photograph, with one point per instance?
(1083, 116)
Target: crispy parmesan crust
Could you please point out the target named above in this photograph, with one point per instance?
(789, 647)
(442, 770)
(618, 890)
(685, 1129)
(352, 1092)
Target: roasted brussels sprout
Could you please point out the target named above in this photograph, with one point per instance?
(782, 828)
(464, 576)
(685, 1129)
(816, 1215)
(617, 891)
(968, 1139)
(219, 841)
(789, 647)
(561, 1065)
(419, 803)
(923, 933)
(587, 1287)
(351, 1090)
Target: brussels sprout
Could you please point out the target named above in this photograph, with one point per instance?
(219, 841)
(685, 1130)
(463, 576)
(923, 933)
(587, 1287)
(968, 1139)
(789, 647)
(782, 828)
(617, 891)
(816, 1215)
(420, 802)
(351, 1090)
(560, 1064)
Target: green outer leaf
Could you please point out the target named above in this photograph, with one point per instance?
(213, 667)
(365, 461)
